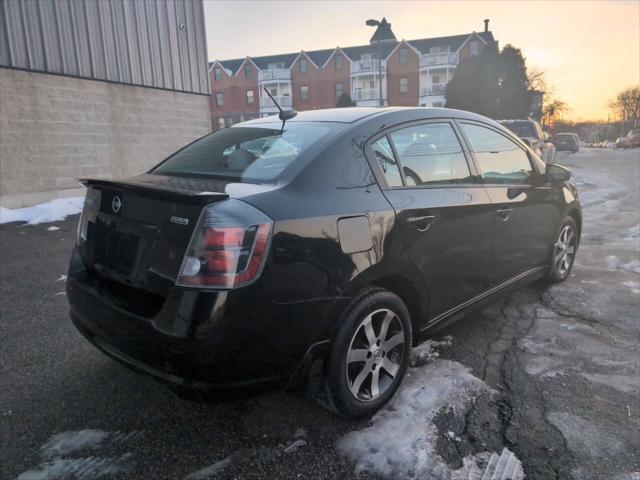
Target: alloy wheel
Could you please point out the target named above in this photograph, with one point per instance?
(375, 354)
(564, 250)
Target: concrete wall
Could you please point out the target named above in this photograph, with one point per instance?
(55, 129)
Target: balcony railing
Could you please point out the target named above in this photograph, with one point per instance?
(444, 59)
(367, 66)
(274, 74)
(435, 89)
(283, 100)
(366, 94)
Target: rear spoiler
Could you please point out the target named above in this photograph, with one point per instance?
(158, 190)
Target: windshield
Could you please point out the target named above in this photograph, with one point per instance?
(251, 154)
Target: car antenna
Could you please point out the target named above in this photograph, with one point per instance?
(284, 114)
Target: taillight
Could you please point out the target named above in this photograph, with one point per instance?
(89, 213)
(228, 248)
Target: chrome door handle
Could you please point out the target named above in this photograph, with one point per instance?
(422, 224)
(504, 213)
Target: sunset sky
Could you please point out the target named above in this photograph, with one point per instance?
(590, 50)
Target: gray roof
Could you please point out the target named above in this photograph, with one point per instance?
(319, 57)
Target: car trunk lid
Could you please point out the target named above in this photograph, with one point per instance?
(144, 225)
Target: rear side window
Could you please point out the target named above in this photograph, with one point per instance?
(431, 153)
(384, 154)
(247, 154)
(501, 160)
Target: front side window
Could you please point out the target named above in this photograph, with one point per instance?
(339, 90)
(431, 153)
(403, 84)
(250, 97)
(303, 65)
(337, 62)
(219, 99)
(384, 155)
(246, 154)
(501, 160)
(304, 92)
(217, 74)
(402, 56)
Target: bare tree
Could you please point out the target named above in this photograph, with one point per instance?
(626, 107)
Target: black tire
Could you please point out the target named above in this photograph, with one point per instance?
(559, 271)
(370, 306)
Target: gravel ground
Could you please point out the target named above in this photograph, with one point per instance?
(562, 365)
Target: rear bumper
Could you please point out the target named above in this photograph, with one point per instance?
(203, 339)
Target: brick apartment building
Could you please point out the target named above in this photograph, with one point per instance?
(414, 73)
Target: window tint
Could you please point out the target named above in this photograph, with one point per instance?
(384, 154)
(431, 153)
(245, 154)
(501, 160)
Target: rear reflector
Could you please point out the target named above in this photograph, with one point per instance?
(228, 248)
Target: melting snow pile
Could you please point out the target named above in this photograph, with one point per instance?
(401, 442)
(52, 211)
(61, 463)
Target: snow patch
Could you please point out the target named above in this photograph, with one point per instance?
(52, 211)
(88, 468)
(53, 229)
(68, 442)
(58, 466)
(400, 443)
(633, 286)
(209, 471)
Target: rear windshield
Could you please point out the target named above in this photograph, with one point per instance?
(251, 154)
(522, 129)
(565, 135)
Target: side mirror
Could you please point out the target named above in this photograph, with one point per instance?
(558, 173)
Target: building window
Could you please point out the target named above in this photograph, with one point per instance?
(339, 90)
(403, 84)
(402, 56)
(435, 79)
(474, 47)
(247, 70)
(337, 62)
(217, 74)
(249, 97)
(219, 99)
(303, 65)
(304, 92)
(221, 123)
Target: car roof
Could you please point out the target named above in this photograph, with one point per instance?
(356, 114)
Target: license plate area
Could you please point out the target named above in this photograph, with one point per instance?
(123, 247)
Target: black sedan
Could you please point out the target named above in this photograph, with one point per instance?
(333, 242)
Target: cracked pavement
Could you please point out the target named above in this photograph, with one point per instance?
(564, 363)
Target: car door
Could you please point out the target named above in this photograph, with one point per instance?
(443, 212)
(526, 215)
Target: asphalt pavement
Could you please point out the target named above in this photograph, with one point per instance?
(562, 363)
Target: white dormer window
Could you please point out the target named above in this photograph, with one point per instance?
(474, 48)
